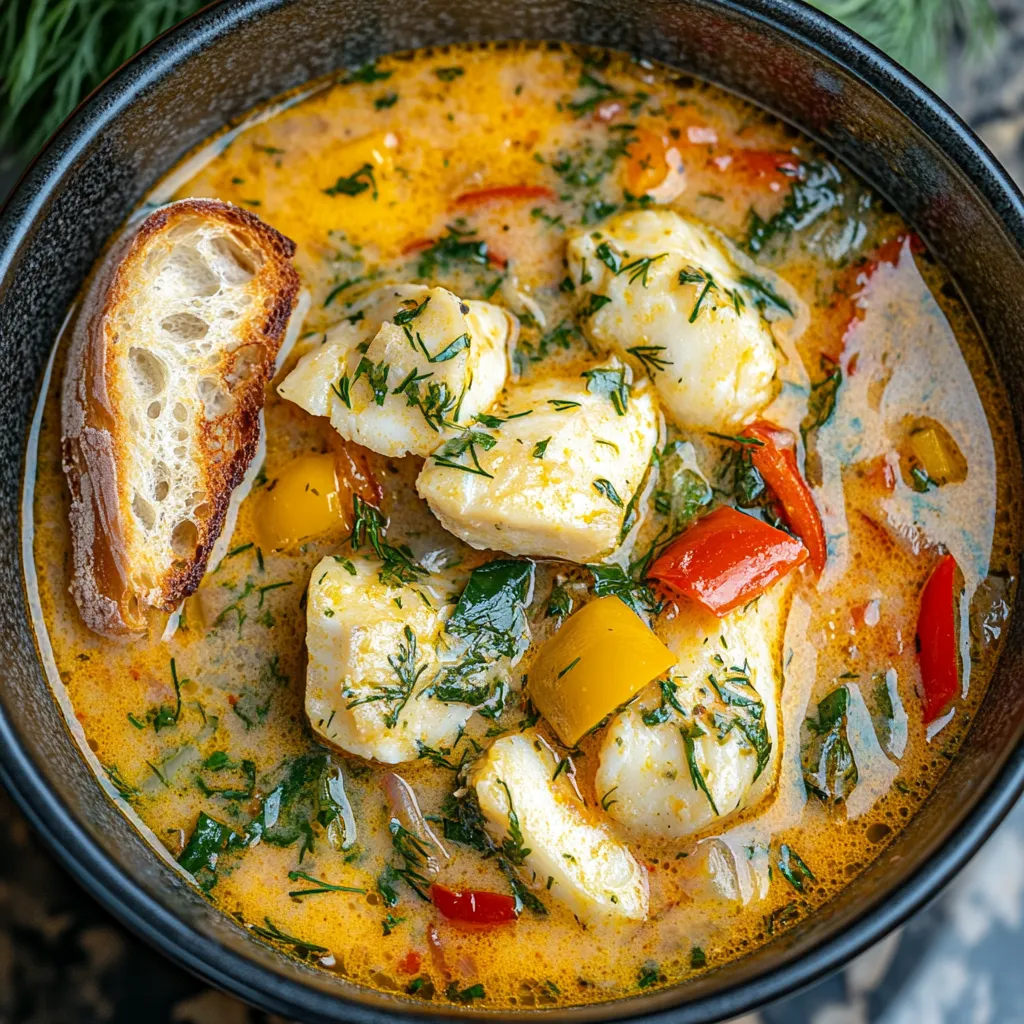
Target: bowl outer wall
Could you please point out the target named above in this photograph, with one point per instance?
(214, 68)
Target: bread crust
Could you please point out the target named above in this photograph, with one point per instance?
(97, 436)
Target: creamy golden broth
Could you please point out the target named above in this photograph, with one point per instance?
(431, 127)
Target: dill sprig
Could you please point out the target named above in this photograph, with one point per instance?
(918, 33)
(53, 52)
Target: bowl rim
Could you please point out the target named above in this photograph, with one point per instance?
(80, 854)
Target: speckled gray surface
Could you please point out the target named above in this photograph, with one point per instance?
(63, 960)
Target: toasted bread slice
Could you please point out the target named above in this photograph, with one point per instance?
(165, 381)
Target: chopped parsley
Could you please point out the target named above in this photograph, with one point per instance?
(793, 869)
(610, 382)
(614, 580)
(735, 690)
(681, 492)
(458, 448)
(609, 257)
(203, 849)
(598, 91)
(355, 184)
(368, 73)
(457, 246)
(560, 603)
(830, 771)
(669, 704)
(343, 390)
(649, 975)
(409, 312)
(465, 996)
(607, 488)
(816, 190)
(220, 776)
(450, 351)
(376, 375)
(488, 624)
(690, 733)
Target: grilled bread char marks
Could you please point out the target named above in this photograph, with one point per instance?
(161, 402)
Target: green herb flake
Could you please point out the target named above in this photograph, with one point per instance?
(830, 771)
(368, 74)
(609, 257)
(458, 448)
(690, 733)
(355, 184)
(649, 975)
(376, 375)
(450, 351)
(609, 382)
(793, 869)
(201, 853)
(607, 488)
(465, 996)
(489, 623)
(409, 312)
(560, 603)
(568, 668)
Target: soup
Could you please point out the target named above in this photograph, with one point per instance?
(684, 604)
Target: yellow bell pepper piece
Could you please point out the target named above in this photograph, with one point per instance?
(307, 500)
(600, 658)
(938, 455)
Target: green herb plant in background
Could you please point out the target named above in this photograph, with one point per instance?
(53, 52)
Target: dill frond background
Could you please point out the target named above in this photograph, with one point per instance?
(53, 52)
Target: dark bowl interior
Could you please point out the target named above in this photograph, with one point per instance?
(213, 69)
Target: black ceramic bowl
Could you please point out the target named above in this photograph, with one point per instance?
(778, 53)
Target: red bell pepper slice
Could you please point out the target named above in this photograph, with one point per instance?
(503, 193)
(775, 459)
(758, 166)
(473, 906)
(416, 245)
(410, 963)
(726, 559)
(936, 639)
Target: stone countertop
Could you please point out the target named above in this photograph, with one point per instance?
(64, 960)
